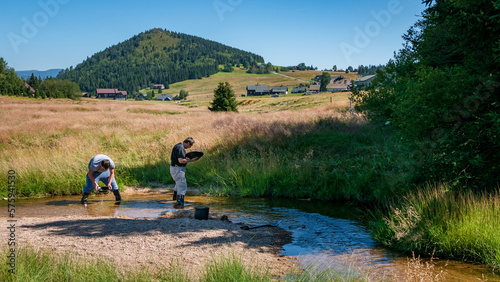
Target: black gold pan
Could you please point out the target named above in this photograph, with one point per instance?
(194, 154)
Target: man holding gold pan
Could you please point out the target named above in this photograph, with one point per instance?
(178, 161)
(101, 168)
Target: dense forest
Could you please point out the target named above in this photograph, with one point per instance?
(10, 83)
(155, 56)
(35, 87)
(442, 92)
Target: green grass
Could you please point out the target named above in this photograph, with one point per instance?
(313, 273)
(43, 265)
(433, 219)
(331, 161)
(231, 268)
(36, 265)
(201, 90)
(328, 160)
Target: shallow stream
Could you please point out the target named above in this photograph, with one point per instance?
(325, 235)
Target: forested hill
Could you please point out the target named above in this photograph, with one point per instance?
(156, 56)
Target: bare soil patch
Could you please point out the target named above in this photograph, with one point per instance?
(175, 239)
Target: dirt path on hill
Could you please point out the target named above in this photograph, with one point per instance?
(294, 78)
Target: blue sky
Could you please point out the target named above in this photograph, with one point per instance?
(45, 34)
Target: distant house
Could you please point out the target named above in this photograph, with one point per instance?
(300, 89)
(164, 97)
(279, 90)
(314, 88)
(111, 94)
(339, 83)
(141, 96)
(159, 86)
(30, 88)
(85, 95)
(257, 90)
(365, 80)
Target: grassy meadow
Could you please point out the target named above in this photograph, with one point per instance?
(291, 147)
(331, 153)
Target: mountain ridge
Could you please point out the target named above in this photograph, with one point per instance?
(25, 74)
(156, 56)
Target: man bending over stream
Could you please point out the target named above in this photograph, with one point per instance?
(101, 168)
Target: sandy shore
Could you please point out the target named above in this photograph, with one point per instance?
(173, 239)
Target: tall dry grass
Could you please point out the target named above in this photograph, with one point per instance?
(49, 142)
(324, 152)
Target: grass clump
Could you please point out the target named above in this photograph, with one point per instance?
(39, 265)
(461, 226)
(313, 273)
(232, 268)
(42, 265)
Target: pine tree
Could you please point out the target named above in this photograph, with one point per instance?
(325, 80)
(224, 99)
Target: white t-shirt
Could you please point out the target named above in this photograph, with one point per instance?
(95, 163)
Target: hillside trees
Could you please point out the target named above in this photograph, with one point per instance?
(442, 90)
(34, 81)
(155, 56)
(370, 69)
(260, 69)
(228, 68)
(324, 81)
(182, 95)
(302, 66)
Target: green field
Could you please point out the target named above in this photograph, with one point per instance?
(201, 91)
(239, 80)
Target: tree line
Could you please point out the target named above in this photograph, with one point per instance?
(442, 92)
(370, 69)
(13, 85)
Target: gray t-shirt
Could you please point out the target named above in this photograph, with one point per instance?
(95, 163)
(177, 152)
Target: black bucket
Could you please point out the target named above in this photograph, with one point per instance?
(201, 212)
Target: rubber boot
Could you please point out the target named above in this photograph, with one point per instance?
(84, 198)
(175, 196)
(180, 201)
(118, 197)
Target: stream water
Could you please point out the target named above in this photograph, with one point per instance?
(325, 235)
